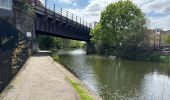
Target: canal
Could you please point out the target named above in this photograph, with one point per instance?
(119, 79)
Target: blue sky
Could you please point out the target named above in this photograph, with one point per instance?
(157, 11)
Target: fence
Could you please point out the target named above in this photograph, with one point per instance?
(48, 5)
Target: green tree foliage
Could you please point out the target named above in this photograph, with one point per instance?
(26, 6)
(167, 39)
(122, 28)
(47, 42)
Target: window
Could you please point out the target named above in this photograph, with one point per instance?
(158, 31)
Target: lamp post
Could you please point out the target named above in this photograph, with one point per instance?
(5, 8)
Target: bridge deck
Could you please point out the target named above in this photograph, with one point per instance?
(40, 79)
(55, 21)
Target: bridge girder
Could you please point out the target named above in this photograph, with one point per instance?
(49, 23)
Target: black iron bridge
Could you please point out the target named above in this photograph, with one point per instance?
(55, 21)
(16, 47)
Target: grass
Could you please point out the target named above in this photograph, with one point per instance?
(165, 59)
(84, 95)
(80, 90)
(10, 87)
(55, 56)
(159, 58)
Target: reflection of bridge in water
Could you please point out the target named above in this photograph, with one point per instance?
(55, 21)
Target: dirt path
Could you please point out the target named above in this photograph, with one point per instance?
(40, 79)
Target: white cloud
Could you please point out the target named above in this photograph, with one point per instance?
(67, 1)
(92, 11)
(160, 22)
(158, 11)
(156, 6)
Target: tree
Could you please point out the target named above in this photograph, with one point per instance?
(48, 42)
(45, 42)
(122, 27)
(167, 39)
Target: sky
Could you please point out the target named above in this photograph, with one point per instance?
(157, 11)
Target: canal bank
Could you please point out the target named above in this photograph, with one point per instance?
(74, 80)
(41, 79)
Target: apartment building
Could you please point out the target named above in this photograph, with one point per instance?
(158, 36)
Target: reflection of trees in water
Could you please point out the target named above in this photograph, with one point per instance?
(164, 69)
(77, 64)
(114, 79)
(122, 79)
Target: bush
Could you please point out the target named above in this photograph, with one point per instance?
(55, 56)
(155, 58)
(165, 59)
(159, 58)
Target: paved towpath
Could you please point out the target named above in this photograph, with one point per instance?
(40, 79)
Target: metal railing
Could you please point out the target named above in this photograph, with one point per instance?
(48, 5)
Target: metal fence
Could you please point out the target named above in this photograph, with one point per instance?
(49, 5)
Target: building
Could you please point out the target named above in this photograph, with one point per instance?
(158, 37)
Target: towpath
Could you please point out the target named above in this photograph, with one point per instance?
(40, 79)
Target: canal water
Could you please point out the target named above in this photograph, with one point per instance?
(119, 79)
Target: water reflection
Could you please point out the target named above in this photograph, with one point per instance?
(118, 78)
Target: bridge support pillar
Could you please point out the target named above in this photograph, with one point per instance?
(34, 40)
(90, 48)
(35, 45)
